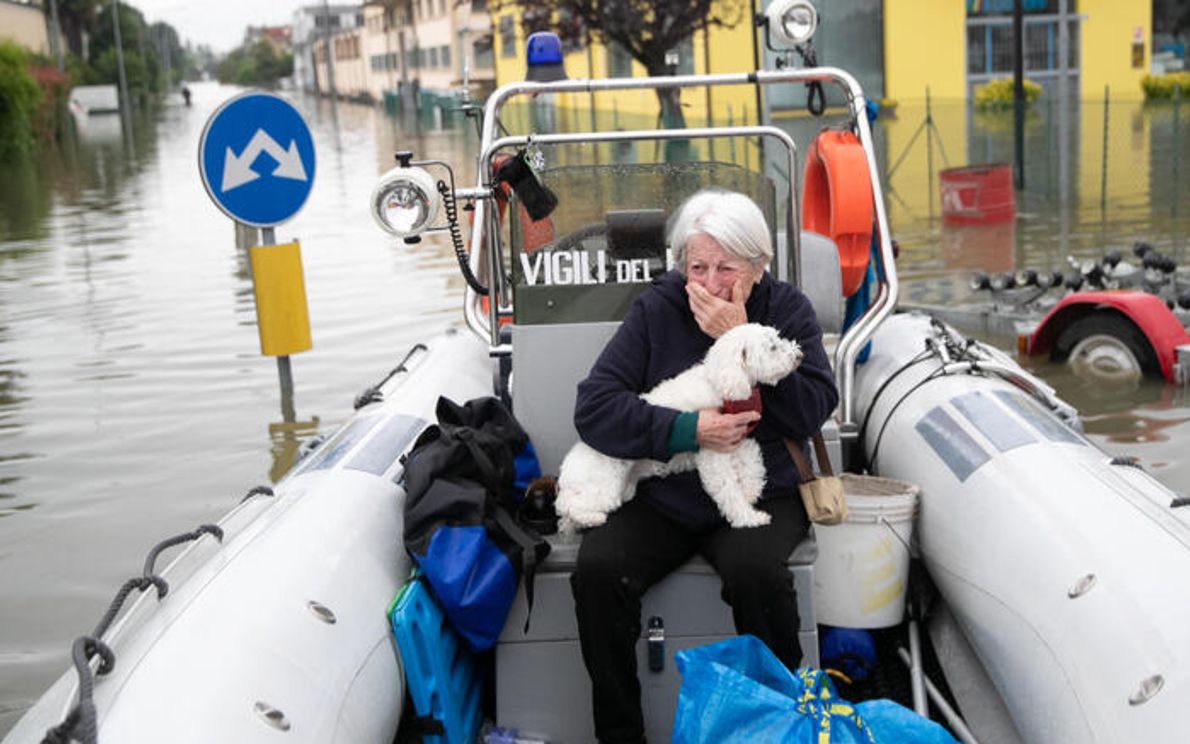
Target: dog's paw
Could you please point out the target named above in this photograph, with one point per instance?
(586, 520)
(750, 518)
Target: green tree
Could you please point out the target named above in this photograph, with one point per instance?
(143, 71)
(19, 99)
(258, 64)
(78, 19)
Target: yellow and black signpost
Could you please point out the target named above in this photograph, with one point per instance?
(240, 182)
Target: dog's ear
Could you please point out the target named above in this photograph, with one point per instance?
(726, 370)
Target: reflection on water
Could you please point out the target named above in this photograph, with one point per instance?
(134, 402)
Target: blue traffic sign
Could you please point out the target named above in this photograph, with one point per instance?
(256, 157)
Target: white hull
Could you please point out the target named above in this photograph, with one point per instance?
(1008, 544)
(236, 629)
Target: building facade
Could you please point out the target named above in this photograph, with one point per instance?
(717, 50)
(428, 47)
(25, 24)
(1106, 44)
(312, 23)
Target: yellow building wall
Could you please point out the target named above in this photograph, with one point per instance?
(25, 25)
(1125, 161)
(1108, 32)
(731, 50)
(925, 46)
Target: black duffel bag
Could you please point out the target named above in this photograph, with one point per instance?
(459, 505)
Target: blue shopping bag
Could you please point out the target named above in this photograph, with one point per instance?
(736, 691)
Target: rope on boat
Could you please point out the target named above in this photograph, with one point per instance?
(257, 491)
(373, 394)
(81, 723)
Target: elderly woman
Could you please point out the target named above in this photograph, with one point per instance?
(722, 248)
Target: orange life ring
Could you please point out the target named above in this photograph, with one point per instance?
(838, 201)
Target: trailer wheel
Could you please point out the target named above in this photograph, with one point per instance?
(1104, 346)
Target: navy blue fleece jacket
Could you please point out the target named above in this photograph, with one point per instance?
(658, 339)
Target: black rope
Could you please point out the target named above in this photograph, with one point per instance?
(80, 724)
(880, 436)
(456, 237)
(1127, 461)
(815, 95)
(921, 357)
(257, 491)
(373, 394)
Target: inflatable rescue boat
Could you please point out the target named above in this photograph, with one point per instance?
(1057, 615)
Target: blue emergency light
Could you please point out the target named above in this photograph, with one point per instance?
(543, 55)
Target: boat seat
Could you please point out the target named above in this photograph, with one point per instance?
(541, 683)
(821, 281)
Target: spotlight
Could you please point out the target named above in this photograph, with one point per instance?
(792, 22)
(405, 202)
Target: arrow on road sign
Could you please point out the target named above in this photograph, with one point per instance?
(237, 171)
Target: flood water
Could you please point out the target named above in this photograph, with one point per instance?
(135, 404)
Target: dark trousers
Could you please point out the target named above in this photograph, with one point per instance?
(636, 548)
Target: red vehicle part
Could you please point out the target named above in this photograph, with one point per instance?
(1146, 311)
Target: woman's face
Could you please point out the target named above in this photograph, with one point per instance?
(716, 270)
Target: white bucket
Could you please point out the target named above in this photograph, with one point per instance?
(862, 567)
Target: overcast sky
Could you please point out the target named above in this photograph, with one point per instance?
(219, 24)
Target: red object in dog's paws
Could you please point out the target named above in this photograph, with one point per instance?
(751, 403)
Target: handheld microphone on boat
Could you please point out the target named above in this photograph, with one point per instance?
(539, 201)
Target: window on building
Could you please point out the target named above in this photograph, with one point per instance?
(433, 56)
(619, 61)
(990, 48)
(507, 37)
(444, 55)
(479, 6)
(481, 52)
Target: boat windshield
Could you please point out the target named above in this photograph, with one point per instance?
(606, 239)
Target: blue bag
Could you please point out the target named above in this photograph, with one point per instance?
(737, 691)
(459, 528)
(891, 723)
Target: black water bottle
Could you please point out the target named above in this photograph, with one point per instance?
(655, 639)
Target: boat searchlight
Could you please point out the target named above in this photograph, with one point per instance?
(791, 22)
(405, 202)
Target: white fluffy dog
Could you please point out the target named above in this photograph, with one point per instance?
(591, 484)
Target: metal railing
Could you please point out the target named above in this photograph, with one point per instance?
(485, 233)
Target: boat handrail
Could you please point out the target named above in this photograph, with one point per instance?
(783, 250)
(485, 221)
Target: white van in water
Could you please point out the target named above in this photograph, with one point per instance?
(94, 99)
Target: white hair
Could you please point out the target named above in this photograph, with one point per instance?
(730, 218)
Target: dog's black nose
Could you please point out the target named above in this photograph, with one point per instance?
(537, 511)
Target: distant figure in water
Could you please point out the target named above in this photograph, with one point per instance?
(186, 95)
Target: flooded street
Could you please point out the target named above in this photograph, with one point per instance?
(135, 404)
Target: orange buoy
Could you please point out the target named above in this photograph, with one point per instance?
(837, 201)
